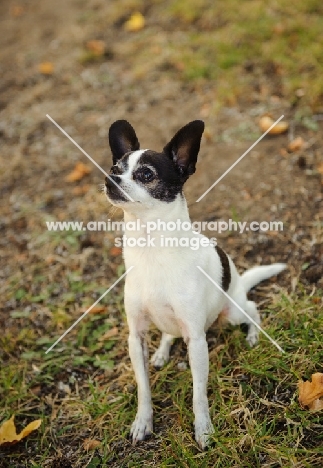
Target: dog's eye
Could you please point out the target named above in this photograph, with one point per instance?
(145, 175)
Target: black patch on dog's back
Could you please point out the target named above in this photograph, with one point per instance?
(168, 183)
(226, 272)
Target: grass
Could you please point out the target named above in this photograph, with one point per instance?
(85, 387)
(252, 394)
(245, 49)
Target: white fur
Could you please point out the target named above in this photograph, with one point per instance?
(166, 287)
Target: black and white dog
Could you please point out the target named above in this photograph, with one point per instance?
(165, 286)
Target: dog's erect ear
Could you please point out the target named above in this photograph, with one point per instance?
(122, 139)
(184, 147)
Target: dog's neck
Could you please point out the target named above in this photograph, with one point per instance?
(164, 211)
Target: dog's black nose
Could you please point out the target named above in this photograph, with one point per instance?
(114, 191)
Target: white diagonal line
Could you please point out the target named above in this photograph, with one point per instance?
(238, 160)
(243, 311)
(89, 157)
(88, 310)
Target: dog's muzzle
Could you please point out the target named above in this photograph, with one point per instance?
(114, 193)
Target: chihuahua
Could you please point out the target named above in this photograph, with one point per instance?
(165, 285)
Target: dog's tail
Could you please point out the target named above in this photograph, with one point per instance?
(259, 273)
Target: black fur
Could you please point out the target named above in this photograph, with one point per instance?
(168, 181)
(113, 191)
(226, 272)
(171, 168)
(122, 139)
(184, 147)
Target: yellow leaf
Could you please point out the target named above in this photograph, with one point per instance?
(310, 392)
(80, 170)
(266, 122)
(317, 405)
(46, 68)
(109, 334)
(8, 434)
(135, 23)
(91, 444)
(98, 310)
(296, 144)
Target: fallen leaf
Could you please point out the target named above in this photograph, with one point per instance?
(97, 310)
(115, 251)
(109, 334)
(46, 68)
(320, 168)
(296, 144)
(80, 170)
(135, 23)
(266, 122)
(91, 444)
(17, 10)
(8, 434)
(316, 300)
(317, 405)
(36, 390)
(311, 392)
(97, 47)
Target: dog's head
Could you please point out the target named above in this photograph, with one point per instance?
(147, 177)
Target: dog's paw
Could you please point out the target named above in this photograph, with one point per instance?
(252, 339)
(203, 429)
(141, 427)
(159, 359)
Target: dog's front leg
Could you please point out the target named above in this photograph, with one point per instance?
(199, 362)
(138, 350)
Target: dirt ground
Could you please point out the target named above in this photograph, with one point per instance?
(269, 184)
(85, 97)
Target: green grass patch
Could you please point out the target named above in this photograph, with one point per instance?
(252, 394)
(240, 46)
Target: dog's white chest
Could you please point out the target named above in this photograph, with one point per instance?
(158, 283)
(158, 291)
(170, 290)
